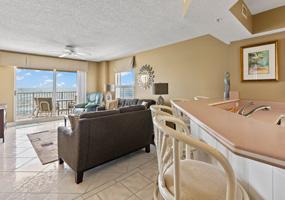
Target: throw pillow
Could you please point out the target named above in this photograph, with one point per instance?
(111, 104)
(73, 119)
(144, 103)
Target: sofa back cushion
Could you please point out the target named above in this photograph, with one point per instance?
(131, 108)
(98, 114)
(127, 102)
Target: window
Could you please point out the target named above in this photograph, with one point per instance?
(125, 85)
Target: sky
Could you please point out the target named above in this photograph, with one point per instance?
(41, 79)
(128, 78)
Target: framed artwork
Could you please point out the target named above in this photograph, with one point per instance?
(259, 62)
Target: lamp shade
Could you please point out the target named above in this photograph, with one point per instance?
(160, 88)
(110, 87)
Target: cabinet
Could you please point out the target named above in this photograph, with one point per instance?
(262, 181)
(2, 120)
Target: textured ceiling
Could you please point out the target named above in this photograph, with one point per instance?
(257, 6)
(108, 29)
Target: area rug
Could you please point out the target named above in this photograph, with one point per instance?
(45, 145)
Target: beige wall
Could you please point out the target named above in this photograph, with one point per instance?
(7, 73)
(265, 21)
(269, 20)
(196, 67)
(41, 62)
(263, 90)
(103, 76)
(92, 77)
(236, 11)
(193, 67)
(7, 89)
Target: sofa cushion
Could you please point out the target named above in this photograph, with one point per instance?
(98, 114)
(131, 102)
(127, 102)
(131, 108)
(121, 102)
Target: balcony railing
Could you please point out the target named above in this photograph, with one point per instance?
(26, 101)
(125, 91)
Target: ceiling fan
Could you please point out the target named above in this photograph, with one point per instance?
(186, 5)
(70, 50)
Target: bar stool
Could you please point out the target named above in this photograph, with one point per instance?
(181, 179)
(156, 110)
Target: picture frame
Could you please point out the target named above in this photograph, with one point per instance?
(259, 62)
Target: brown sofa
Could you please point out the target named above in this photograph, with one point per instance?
(130, 102)
(101, 136)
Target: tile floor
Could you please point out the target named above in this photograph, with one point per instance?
(22, 176)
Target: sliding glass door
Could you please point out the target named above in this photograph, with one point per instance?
(66, 91)
(30, 85)
(43, 93)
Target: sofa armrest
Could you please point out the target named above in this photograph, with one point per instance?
(62, 130)
(68, 147)
(89, 106)
(80, 105)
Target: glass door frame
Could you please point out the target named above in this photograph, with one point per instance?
(54, 94)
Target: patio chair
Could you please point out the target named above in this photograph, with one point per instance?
(66, 105)
(43, 105)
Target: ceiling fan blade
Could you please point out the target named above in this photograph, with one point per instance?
(83, 54)
(63, 55)
(186, 5)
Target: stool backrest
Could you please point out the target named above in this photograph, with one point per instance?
(169, 154)
(161, 110)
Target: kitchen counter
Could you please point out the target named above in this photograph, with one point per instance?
(256, 137)
(254, 145)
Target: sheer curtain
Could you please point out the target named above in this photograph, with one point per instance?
(81, 86)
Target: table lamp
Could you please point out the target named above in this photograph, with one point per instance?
(110, 89)
(160, 89)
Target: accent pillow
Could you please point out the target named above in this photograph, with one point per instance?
(112, 105)
(144, 103)
(73, 119)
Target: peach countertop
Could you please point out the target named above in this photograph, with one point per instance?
(249, 137)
